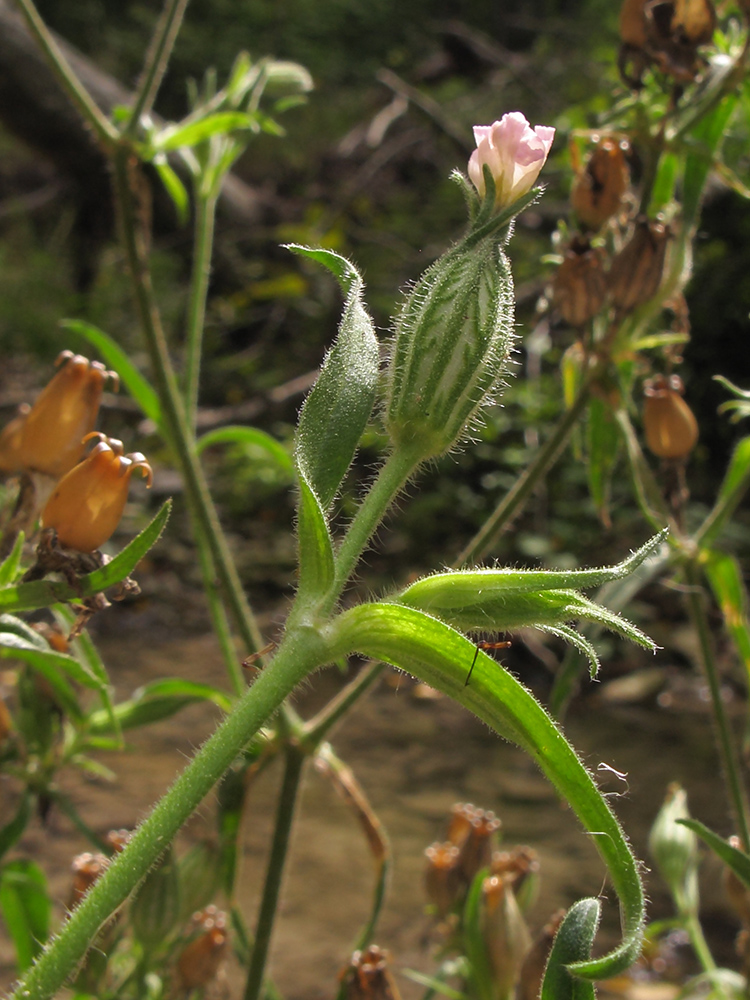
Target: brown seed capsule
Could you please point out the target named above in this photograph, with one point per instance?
(443, 882)
(598, 191)
(505, 935)
(670, 426)
(535, 963)
(11, 452)
(86, 870)
(64, 413)
(87, 504)
(199, 962)
(367, 976)
(637, 270)
(633, 23)
(476, 851)
(694, 21)
(580, 284)
(6, 721)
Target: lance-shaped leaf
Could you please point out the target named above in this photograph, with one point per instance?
(732, 857)
(42, 593)
(339, 405)
(725, 576)
(441, 657)
(316, 566)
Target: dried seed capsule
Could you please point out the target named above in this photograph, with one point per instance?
(368, 978)
(6, 721)
(443, 882)
(11, 451)
(86, 869)
(694, 21)
(633, 23)
(636, 271)
(580, 285)
(599, 189)
(504, 933)
(670, 426)
(476, 850)
(534, 965)
(200, 960)
(64, 413)
(87, 504)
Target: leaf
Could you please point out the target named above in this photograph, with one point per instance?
(26, 908)
(337, 408)
(708, 135)
(603, 441)
(156, 701)
(572, 944)
(734, 858)
(248, 436)
(49, 664)
(725, 577)
(663, 189)
(43, 593)
(441, 657)
(13, 830)
(174, 188)
(481, 974)
(316, 566)
(194, 133)
(9, 567)
(139, 388)
(731, 491)
(86, 652)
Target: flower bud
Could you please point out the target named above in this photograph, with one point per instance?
(367, 976)
(443, 882)
(453, 336)
(670, 426)
(580, 285)
(514, 153)
(504, 933)
(86, 869)
(598, 190)
(200, 960)
(87, 504)
(674, 848)
(64, 413)
(636, 271)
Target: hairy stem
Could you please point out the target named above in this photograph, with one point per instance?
(157, 59)
(205, 214)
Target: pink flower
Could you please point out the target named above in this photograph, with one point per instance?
(515, 153)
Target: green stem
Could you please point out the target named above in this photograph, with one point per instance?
(178, 432)
(155, 66)
(732, 774)
(646, 489)
(294, 759)
(514, 500)
(205, 214)
(698, 942)
(105, 130)
(394, 473)
(725, 507)
(299, 655)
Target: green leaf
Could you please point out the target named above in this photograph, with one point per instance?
(603, 441)
(11, 833)
(481, 974)
(707, 135)
(441, 657)
(26, 908)
(174, 188)
(248, 436)
(194, 133)
(316, 566)
(339, 405)
(49, 664)
(9, 567)
(138, 387)
(156, 701)
(734, 858)
(43, 593)
(731, 491)
(725, 577)
(663, 189)
(572, 944)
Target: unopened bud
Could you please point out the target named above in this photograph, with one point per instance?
(580, 284)
(368, 977)
(599, 189)
(200, 960)
(87, 504)
(636, 271)
(504, 933)
(86, 869)
(674, 848)
(670, 426)
(64, 413)
(443, 881)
